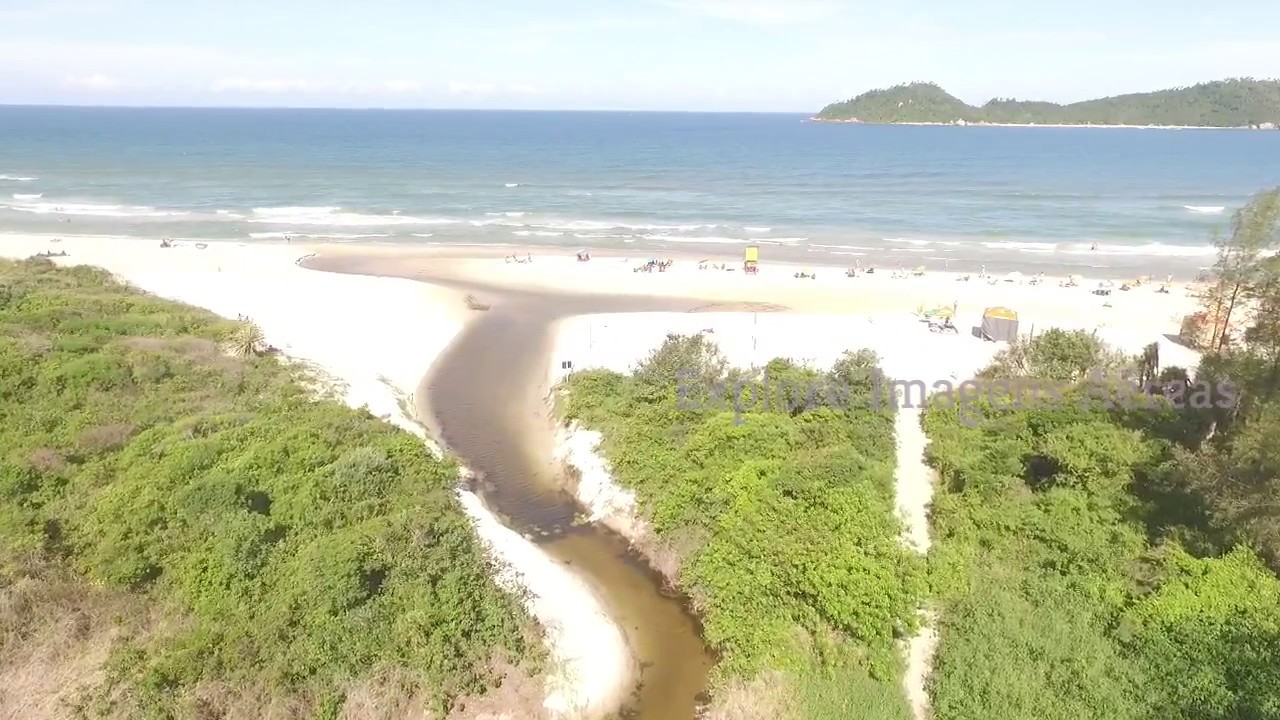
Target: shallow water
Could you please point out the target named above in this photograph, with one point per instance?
(649, 183)
(485, 398)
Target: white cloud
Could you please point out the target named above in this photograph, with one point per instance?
(457, 88)
(96, 82)
(267, 85)
(760, 12)
(402, 86)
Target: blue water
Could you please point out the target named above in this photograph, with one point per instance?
(652, 182)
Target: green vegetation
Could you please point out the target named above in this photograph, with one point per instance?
(784, 523)
(1110, 560)
(1224, 103)
(176, 509)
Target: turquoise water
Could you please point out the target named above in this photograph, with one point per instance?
(1037, 198)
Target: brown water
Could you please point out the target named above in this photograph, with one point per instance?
(486, 400)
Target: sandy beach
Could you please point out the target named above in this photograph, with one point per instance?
(353, 328)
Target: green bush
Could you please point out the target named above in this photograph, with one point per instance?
(1062, 591)
(299, 545)
(783, 514)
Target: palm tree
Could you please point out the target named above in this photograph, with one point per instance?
(248, 340)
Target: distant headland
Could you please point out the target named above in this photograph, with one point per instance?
(1234, 103)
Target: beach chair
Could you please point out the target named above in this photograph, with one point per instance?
(944, 325)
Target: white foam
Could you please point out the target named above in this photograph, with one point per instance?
(538, 233)
(844, 247)
(94, 209)
(17, 178)
(512, 213)
(690, 239)
(757, 229)
(783, 240)
(230, 214)
(421, 235)
(512, 185)
(1206, 209)
(33, 196)
(317, 236)
(304, 215)
(1154, 249)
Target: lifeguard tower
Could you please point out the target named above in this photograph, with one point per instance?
(751, 262)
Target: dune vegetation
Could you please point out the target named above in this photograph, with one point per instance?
(781, 518)
(186, 532)
(1112, 553)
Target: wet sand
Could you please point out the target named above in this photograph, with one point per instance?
(486, 400)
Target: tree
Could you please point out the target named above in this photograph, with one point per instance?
(1255, 228)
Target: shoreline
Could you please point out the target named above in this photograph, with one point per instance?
(1056, 257)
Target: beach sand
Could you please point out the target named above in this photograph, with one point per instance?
(353, 327)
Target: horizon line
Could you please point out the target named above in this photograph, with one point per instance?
(80, 106)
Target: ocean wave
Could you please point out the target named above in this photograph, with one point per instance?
(1153, 249)
(695, 239)
(1035, 247)
(230, 214)
(757, 229)
(602, 225)
(32, 196)
(843, 247)
(513, 185)
(779, 241)
(602, 236)
(538, 233)
(317, 236)
(95, 209)
(18, 178)
(512, 213)
(305, 215)
(500, 222)
(424, 235)
(1205, 209)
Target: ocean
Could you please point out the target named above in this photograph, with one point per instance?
(1100, 201)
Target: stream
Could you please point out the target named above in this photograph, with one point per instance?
(485, 399)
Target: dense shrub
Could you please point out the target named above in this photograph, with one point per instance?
(294, 545)
(1062, 589)
(783, 510)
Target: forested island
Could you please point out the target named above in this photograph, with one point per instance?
(1235, 103)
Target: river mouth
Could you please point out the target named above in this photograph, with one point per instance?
(486, 399)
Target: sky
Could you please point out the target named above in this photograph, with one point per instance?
(723, 55)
